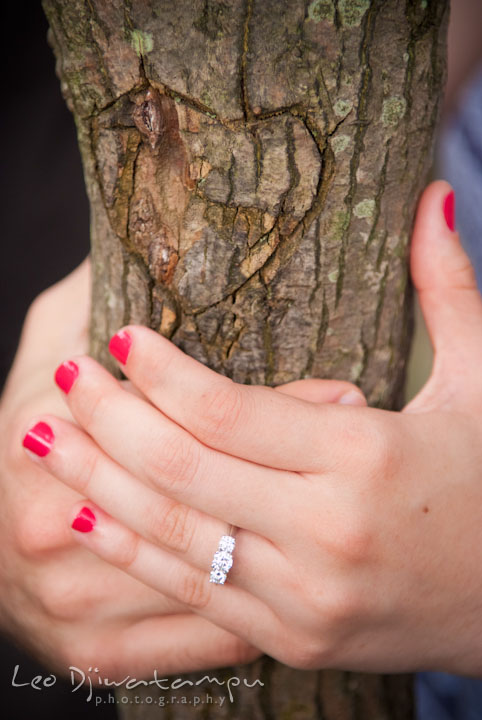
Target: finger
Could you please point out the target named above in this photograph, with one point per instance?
(143, 647)
(168, 458)
(253, 422)
(324, 391)
(90, 589)
(173, 644)
(226, 606)
(38, 528)
(78, 462)
(445, 279)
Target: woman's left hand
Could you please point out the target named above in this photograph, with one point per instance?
(357, 527)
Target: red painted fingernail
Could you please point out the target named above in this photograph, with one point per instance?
(65, 375)
(84, 521)
(449, 210)
(39, 439)
(119, 346)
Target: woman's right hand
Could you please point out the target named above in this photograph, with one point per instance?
(57, 598)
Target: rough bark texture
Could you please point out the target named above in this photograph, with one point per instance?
(253, 168)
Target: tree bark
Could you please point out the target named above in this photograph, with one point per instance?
(253, 168)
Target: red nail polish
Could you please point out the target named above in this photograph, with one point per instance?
(449, 210)
(119, 346)
(39, 439)
(84, 521)
(65, 375)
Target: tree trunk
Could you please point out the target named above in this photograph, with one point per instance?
(253, 168)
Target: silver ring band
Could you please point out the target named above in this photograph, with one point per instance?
(223, 558)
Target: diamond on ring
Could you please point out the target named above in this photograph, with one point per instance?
(222, 560)
(227, 543)
(218, 576)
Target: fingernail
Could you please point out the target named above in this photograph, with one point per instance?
(84, 521)
(65, 375)
(119, 346)
(449, 210)
(352, 397)
(39, 439)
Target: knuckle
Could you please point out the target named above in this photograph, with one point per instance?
(153, 365)
(127, 551)
(356, 542)
(381, 451)
(86, 472)
(59, 598)
(171, 524)
(333, 610)
(340, 605)
(351, 542)
(220, 410)
(92, 404)
(301, 653)
(325, 602)
(174, 462)
(27, 540)
(193, 589)
(374, 450)
(238, 651)
(33, 537)
(461, 272)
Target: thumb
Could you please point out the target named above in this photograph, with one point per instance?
(57, 320)
(444, 278)
(56, 326)
(443, 275)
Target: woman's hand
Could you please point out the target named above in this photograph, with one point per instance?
(61, 601)
(360, 529)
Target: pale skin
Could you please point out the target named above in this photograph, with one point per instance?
(359, 528)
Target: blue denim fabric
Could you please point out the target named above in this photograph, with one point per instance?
(440, 696)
